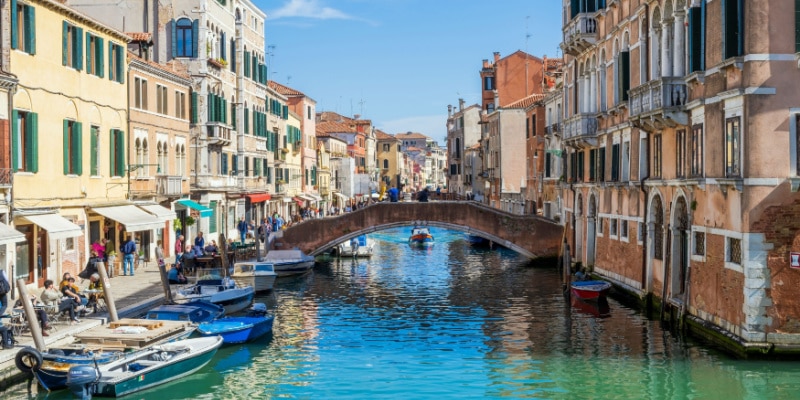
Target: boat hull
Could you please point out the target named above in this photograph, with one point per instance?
(237, 329)
(260, 283)
(231, 299)
(590, 290)
(293, 268)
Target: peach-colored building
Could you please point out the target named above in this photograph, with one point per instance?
(680, 127)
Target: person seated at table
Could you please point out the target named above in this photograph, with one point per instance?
(95, 284)
(73, 291)
(41, 315)
(212, 248)
(188, 259)
(52, 297)
(175, 276)
(64, 280)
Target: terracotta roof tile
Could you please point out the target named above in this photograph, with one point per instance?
(284, 90)
(381, 135)
(526, 102)
(176, 68)
(411, 135)
(140, 36)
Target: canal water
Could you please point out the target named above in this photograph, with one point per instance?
(457, 322)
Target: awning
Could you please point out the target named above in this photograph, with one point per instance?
(57, 227)
(258, 198)
(134, 218)
(286, 200)
(306, 197)
(299, 200)
(341, 196)
(314, 197)
(162, 213)
(204, 211)
(9, 235)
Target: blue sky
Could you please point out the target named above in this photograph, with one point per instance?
(400, 62)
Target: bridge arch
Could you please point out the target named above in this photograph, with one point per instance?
(529, 235)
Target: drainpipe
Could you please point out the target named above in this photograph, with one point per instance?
(668, 245)
(644, 215)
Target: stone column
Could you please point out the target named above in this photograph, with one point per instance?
(593, 90)
(666, 61)
(678, 56)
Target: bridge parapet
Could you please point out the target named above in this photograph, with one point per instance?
(530, 235)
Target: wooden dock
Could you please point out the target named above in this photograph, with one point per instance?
(111, 336)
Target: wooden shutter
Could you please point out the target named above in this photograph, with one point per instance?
(77, 49)
(195, 33)
(120, 136)
(233, 55)
(222, 43)
(592, 164)
(100, 46)
(624, 75)
(89, 53)
(194, 107)
(93, 151)
(32, 142)
(64, 42)
(120, 53)
(77, 148)
(615, 162)
(112, 156)
(246, 121)
(66, 147)
(30, 31)
(601, 176)
(174, 32)
(695, 37)
(233, 115)
(14, 22)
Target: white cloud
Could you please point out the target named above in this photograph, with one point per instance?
(428, 125)
(307, 9)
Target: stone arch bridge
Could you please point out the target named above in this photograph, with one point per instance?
(529, 235)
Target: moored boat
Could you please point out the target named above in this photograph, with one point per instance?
(260, 275)
(590, 290)
(360, 246)
(143, 369)
(195, 311)
(289, 262)
(420, 236)
(240, 329)
(217, 289)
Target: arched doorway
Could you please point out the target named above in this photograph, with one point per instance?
(656, 242)
(579, 229)
(591, 231)
(680, 248)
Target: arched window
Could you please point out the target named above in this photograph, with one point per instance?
(139, 155)
(385, 163)
(658, 229)
(184, 45)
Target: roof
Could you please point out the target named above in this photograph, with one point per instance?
(140, 36)
(284, 90)
(171, 67)
(381, 135)
(331, 116)
(526, 102)
(411, 135)
(326, 127)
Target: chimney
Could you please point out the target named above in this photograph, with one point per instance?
(496, 56)
(496, 100)
(449, 110)
(485, 63)
(460, 104)
(356, 116)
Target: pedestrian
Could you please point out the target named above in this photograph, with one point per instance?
(178, 249)
(242, 228)
(129, 251)
(199, 241)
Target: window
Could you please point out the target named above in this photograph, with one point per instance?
(623, 231)
(658, 230)
(180, 158)
(699, 245)
(142, 156)
(24, 141)
(161, 99)
(116, 63)
(615, 162)
(732, 150)
(697, 150)
(385, 163)
(184, 38)
(640, 232)
(593, 165)
(733, 28)
(680, 153)
(488, 83)
(23, 27)
(163, 157)
(612, 227)
(140, 93)
(657, 156)
(180, 105)
(600, 226)
(94, 156)
(623, 71)
(733, 253)
(626, 161)
(73, 159)
(94, 55)
(72, 46)
(387, 147)
(308, 111)
(697, 32)
(117, 153)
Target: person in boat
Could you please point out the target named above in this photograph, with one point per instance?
(582, 275)
(354, 246)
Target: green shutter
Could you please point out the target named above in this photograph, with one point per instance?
(88, 53)
(14, 22)
(93, 151)
(233, 115)
(65, 147)
(246, 123)
(78, 49)
(224, 110)
(194, 107)
(212, 222)
(174, 31)
(99, 49)
(195, 34)
(30, 29)
(120, 64)
(64, 41)
(120, 136)
(112, 159)
(112, 74)
(210, 106)
(623, 70)
(32, 144)
(15, 140)
(77, 151)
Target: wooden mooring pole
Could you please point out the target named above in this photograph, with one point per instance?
(109, 297)
(33, 322)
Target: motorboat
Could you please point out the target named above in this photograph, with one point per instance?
(240, 329)
(260, 275)
(217, 289)
(195, 311)
(421, 237)
(289, 262)
(143, 369)
(359, 246)
(101, 344)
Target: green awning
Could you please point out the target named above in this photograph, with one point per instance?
(204, 211)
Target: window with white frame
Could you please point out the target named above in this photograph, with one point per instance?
(698, 243)
(599, 226)
(612, 227)
(733, 251)
(623, 229)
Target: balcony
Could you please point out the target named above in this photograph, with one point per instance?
(579, 34)
(658, 104)
(169, 185)
(581, 130)
(215, 182)
(554, 129)
(218, 133)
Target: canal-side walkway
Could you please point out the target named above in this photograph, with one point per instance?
(133, 295)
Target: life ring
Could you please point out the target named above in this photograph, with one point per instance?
(28, 359)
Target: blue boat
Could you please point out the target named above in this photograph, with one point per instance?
(195, 311)
(421, 237)
(240, 329)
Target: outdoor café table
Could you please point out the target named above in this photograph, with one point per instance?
(204, 262)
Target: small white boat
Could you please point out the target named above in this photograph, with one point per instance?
(364, 247)
(289, 262)
(420, 237)
(260, 275)
(219, 290)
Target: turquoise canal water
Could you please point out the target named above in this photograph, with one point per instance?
(456, 322)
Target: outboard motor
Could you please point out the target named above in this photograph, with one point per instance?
(257, 310)
(81, 380)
